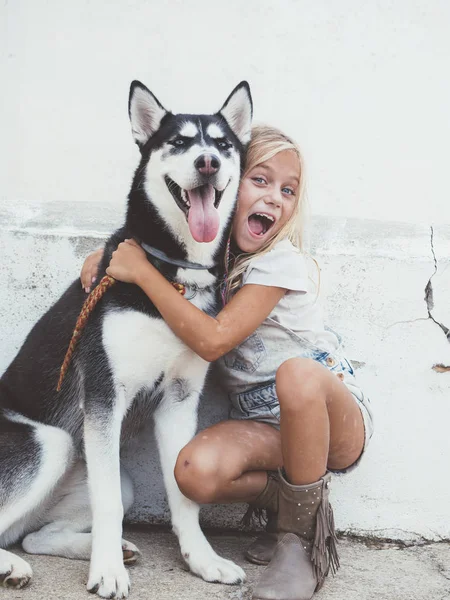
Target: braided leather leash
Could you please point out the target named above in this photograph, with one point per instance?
(97, 293)
(88, 306)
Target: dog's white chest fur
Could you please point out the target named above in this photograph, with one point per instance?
(141, 348)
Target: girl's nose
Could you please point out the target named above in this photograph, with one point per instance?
(274, 198)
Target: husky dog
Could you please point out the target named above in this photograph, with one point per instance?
(61, 486)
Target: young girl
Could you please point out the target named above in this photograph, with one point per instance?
(297, 412)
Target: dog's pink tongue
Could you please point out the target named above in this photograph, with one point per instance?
(203, 219)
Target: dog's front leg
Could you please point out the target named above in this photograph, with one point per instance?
(175, 425)
(102, 426)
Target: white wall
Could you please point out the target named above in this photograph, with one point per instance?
(364, 88)
(362, 85)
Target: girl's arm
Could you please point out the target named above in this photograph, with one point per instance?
(209, 337)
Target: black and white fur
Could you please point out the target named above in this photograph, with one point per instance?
(60, 474)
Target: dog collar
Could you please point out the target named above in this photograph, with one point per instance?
(184, 264)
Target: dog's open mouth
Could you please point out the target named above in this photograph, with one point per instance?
(260, 223)
(200, 207)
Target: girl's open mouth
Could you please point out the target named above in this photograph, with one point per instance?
(260, 223)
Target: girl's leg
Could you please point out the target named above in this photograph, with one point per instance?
(321, 423)
(228, 462)
(321, 426)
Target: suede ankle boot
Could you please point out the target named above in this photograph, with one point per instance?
(261, 550)
(306, 548)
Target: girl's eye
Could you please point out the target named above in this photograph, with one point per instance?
(259, 179)
(289, 191)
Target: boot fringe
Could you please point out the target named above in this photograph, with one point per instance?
(324, 555)
(257, 513)
(254, 515)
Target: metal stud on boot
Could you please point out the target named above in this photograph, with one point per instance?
(307, 543)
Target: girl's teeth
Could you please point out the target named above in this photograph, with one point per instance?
(266, 216)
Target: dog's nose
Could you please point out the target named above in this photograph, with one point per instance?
(207, 164)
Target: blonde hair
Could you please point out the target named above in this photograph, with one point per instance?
(265, 143)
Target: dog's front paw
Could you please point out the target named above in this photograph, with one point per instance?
(14, 571)
(213, 568)
(108, 581)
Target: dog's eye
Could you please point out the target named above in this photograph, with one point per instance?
(179, 141)
(224, 144)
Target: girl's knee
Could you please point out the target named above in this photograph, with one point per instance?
(295, 368)
(196, 473)
(299, 382)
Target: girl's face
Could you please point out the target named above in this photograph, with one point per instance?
(266, 201)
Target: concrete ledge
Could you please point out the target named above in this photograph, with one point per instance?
(373, 279)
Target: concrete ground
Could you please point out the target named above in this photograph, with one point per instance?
(370, 571)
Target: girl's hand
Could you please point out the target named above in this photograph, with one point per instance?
(128, 262)
(89, 270)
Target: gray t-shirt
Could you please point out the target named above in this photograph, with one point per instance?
(299, 309)
(295, 327)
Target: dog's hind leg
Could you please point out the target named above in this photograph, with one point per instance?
(68, 526)
(102, 428)
(33, 460)
(175, 425)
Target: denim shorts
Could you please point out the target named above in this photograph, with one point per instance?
(251, 370)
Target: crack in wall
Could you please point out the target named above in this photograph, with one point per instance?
(429, 299)
(440, 368)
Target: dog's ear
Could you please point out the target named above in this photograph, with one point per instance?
(238, 111)
(145, 112)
